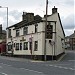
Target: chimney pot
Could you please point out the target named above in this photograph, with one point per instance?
(54, 10)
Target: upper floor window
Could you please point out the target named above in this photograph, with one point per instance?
(9, 33)
(25, 30)
(17, 32)
(36, 28)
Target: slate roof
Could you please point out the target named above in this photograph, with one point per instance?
(72, 35)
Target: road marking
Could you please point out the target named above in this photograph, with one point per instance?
(71, 60)
(63, 64)
(3, 73)
(31, 70)
(36, 61)
(61, 67)
(5, 64)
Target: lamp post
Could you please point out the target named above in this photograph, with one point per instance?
(45, 30)
(7, 13)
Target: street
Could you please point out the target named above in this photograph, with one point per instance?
(21, 66)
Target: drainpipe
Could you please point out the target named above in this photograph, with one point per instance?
(55, 40)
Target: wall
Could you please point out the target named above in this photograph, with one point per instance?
(39, 36)
(59, 34)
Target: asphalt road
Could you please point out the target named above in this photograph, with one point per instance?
(20, 66)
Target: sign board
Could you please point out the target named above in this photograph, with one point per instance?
(30, 39)
(49, 31)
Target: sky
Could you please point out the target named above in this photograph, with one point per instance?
(17, 7)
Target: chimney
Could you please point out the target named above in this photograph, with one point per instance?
(28, 17)
(24, 16)
(54, 10)
(1, 29)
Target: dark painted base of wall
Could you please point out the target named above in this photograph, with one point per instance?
(39, 57)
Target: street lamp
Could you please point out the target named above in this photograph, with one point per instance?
(7, 13)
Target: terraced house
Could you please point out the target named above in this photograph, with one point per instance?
(29, 39)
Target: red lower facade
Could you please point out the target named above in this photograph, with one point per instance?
(2, 47)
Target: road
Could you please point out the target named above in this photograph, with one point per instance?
(20, 66)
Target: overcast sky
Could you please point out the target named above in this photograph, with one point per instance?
(16, 8)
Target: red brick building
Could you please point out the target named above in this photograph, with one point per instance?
(70, 41)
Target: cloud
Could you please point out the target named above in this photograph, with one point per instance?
(68, 22)
(16, 14)
(69, 31)
(13, 17)
(16, 7)
(1, 20)
(62, 2)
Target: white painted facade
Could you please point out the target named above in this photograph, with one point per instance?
(39, 36)
(55, 47)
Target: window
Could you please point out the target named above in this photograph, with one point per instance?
(36, 27)
(36, 46)
(17, 32)
(17, 46)
(20, 46)
(9, 33)
(25, 30)
(25, 46)
(9, 47)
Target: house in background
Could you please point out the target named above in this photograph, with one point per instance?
(27, 38)
(67, 43)
(2, 40)
(70, 41)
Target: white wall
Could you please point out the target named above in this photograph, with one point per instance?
(40, 37)
(36, 37)
(59, 34)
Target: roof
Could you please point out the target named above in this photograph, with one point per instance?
(23, 23)
(72, 35)
(59, 20)
(61, 24)
(66, 37)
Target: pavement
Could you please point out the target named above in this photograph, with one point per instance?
(21, 66)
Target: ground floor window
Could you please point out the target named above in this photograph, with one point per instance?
(9, 47)
(35, 45)
(25, 46)
(17, 46)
